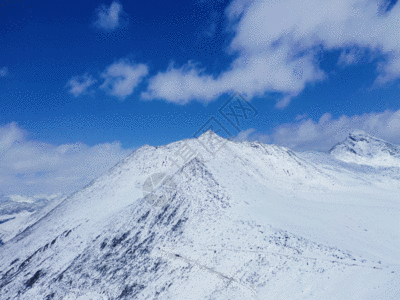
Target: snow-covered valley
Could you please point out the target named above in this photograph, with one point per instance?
(250, 221)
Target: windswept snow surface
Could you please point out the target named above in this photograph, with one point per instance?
(252, 221)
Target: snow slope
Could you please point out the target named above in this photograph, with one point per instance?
(252, 221)
(17, 212)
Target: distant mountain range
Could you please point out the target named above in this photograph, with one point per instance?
(209, 218)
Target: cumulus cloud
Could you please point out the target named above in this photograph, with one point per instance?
(250, 76)
(121, 78)
(31, 167)
(278, 42)
(109, 18)
(322, 135)
(389, 70)
(180, 85)
(3, 72)
(79, 84)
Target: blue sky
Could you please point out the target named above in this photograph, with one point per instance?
(98, 79)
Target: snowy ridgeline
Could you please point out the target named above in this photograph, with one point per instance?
(364, 149)
(236, 221)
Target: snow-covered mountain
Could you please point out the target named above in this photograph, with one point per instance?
(19, 212)
(249, 221)
(362, 148)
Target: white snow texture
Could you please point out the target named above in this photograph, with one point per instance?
(250, 221)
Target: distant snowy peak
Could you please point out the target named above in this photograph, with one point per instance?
(362, 148)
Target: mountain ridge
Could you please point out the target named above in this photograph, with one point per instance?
(362, 148)
(236, 224)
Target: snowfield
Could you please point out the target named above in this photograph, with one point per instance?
(17, 212)
(250, 221)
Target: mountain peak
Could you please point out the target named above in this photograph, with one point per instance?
(360, 147)
(212, 141)
(209, 133)
(148, 231)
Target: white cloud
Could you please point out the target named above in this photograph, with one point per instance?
(79, 84)
(121, 78)
(322, 135)
(31, 167)
(351, 56)
(251, 76)
(277, 43)
(3, 72)
(181, 85)
(244, 135)
(300, 117)
(252, 135)
(9, 135)
(389, 70)
(109, 18)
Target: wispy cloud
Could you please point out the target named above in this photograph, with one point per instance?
(212, 23)
(9, 135)
(79, 84)
(3, 72)
(348, 57)
(300, 117)
(121, 78)
(306, 134)
(278, 43)
(252, 135)
(30, 167)
(108, 18)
